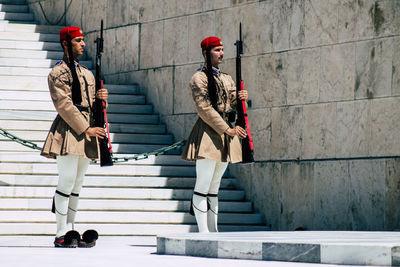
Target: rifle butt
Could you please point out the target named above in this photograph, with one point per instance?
(105, 155)
(247, 152)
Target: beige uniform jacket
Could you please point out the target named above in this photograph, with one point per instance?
(66, 135)
(207, 139)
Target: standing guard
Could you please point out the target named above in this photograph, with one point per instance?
(72, 139)
(213, 142)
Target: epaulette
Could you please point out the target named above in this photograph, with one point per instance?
(83, 66)
(214, 72)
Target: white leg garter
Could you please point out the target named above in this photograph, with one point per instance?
(209, 173)
(83, 164)
(68, 172)
(212, 197)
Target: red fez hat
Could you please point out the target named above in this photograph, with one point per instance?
(71, 31)
(211, 41)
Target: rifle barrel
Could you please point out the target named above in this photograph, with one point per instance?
(100, 114)
(242, 119)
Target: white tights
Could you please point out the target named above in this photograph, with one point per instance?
(71, 171)
(209, 173)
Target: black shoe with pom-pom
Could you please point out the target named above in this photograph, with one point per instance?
(69, 240)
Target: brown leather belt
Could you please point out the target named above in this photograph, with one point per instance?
(82, 108)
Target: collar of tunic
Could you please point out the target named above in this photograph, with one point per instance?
(216, 71)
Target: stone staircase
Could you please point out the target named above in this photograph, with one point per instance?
(136, 198)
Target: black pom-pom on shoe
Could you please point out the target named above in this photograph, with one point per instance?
(89, 238)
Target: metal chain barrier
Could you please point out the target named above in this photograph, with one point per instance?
(59, 20)
(156, 152)
(19, 140)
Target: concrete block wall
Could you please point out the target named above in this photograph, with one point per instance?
(323, 77)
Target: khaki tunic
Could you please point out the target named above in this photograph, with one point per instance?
(66, 135)
(207, 139)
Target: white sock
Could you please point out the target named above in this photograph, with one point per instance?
(200, 212)
(212, 213)
(72, 209)
(61, 209)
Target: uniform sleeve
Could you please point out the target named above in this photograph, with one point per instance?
(60, 92)
(233, 93)
(206, 112)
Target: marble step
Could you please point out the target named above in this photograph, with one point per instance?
(13, 2)
(11, 125)
(24, 83)
(114, 182)
(130, 89)
(116, 170)
(27, 36)
(25, 71)
(31, 54)
(121, 138)
(27, 105)
(117, 147)
(39, 84)
(31, 96)
(116, 229)
(30, 45)
(321, 247)
(29, 28)
(48, 106)
(141, 138)
(50, 115)
(34, 157)
(137, 128)
(113, 98)
(127, 217)
(16, 16)
(121, 205)
(24, 22)
(34, 63)
(27, 115)
(126, 108)
(14, 8)
(117, 193)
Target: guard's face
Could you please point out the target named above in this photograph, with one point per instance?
(78, 45)
(217, 54)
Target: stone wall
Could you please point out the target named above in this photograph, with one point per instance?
(323, 77)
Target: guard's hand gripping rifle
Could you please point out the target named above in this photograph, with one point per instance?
(100, 114)
(242, 120)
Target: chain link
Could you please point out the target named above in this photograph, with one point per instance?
(59, 20)
(156, 152)
(19, 140)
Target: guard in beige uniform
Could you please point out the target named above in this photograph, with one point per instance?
(213, 142)
(71, 139)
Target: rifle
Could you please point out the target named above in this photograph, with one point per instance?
(99, 113)
(242, 119)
